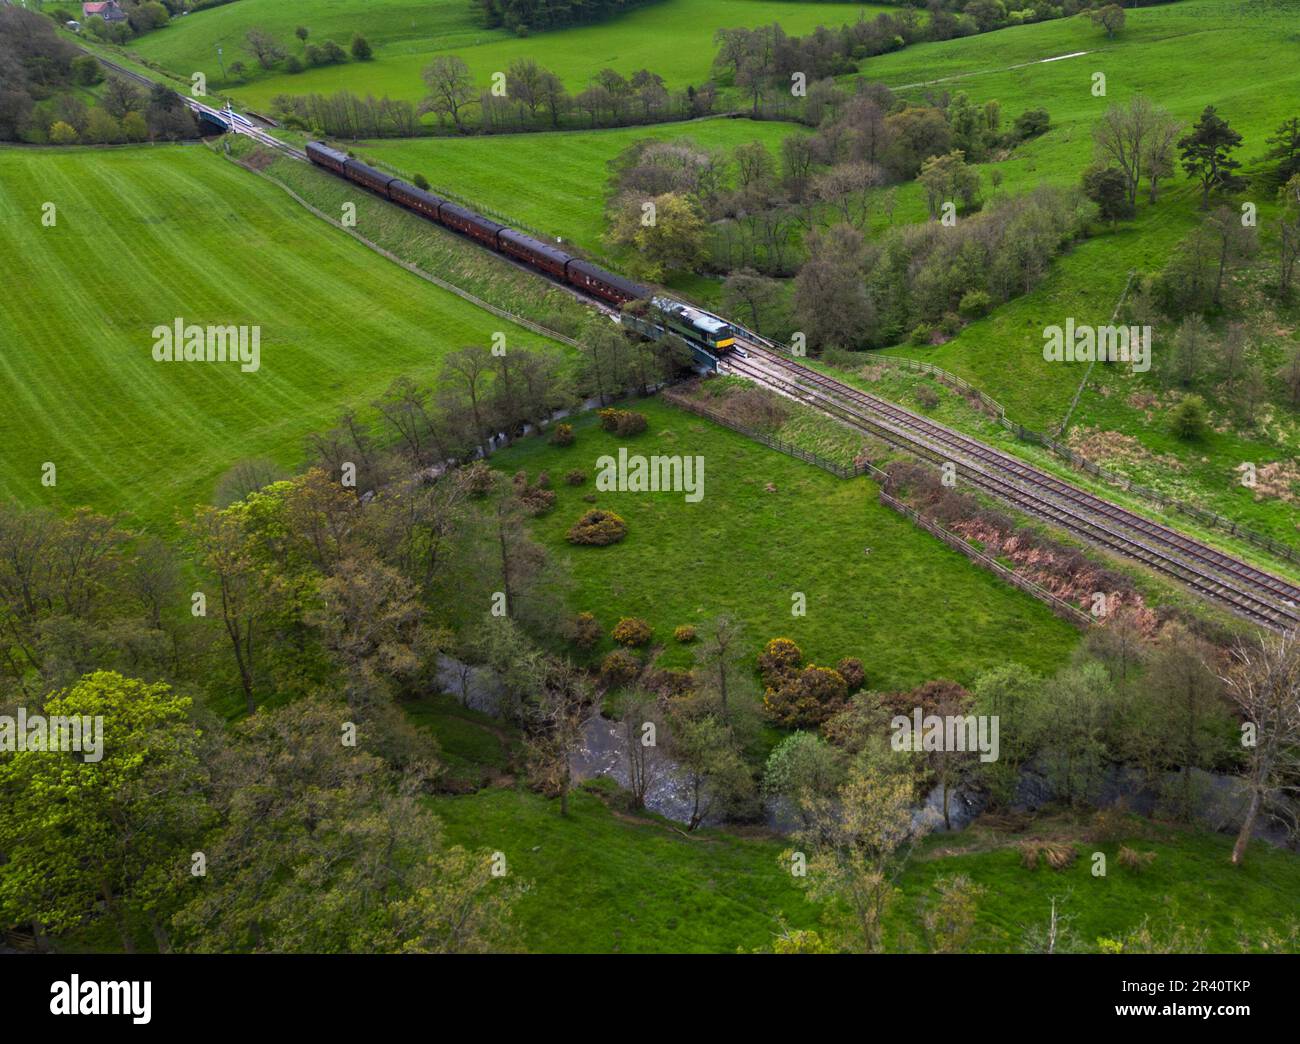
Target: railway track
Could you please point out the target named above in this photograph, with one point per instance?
(234, 121)
(1243, 589)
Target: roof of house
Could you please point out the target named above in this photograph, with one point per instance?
(103, 8)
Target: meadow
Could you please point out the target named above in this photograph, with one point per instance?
(603, 881)
(673, 38)
(768, 526)
(554, 183)
(148, 234)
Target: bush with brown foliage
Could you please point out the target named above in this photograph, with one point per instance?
(622, 422)
(780, 657)
(1131, 859)
(667, 682)
(806, 698)
(853, 673)
(576, 477)
(619, 668)
(475, 478)
(537, 501)
(598, 528)
(584, 631)
(632, 632)
(1056, 854)
(684, 633)
(562, 435)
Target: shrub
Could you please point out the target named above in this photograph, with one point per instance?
(807, 698)
(779, 657)
(420, 182)
(920, 334)
(361, 49)
(537, 501)
(622, 422)
(562, 435)
(543, 480)
(631, 631)
(1031, 123)
(62, 133)
(576, 477)
(598, 528)
(584, 631)
(293, 64)
(684, 634)
(1056, 854)
(87, 71)
(1189, 419)
(477, 478)
(853, 673)
(927, 396)
(1131, 859)
(619, 667)
(974, 303)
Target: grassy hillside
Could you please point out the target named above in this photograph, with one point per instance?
(146, 235)
(407, 34)
(876, 586)
(554, 183)
(1256, 83)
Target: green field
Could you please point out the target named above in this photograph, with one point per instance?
(554, 183)
(673, 38)
(910, 607)
(603, 882)
(146, 235)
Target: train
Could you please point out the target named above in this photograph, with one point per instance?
(653, 316)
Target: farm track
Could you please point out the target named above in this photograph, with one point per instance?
(1245, 590)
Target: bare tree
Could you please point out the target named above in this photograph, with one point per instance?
(1125, 137)
(451, 88)
(1264, 682)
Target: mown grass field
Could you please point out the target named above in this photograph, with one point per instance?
(910, 607)
(146, 235)
(673, 38)
(555, 183)
(605, 882)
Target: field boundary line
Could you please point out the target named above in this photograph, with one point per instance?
(413, 268)
(1078, 392)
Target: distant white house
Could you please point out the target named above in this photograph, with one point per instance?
(109, 10)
